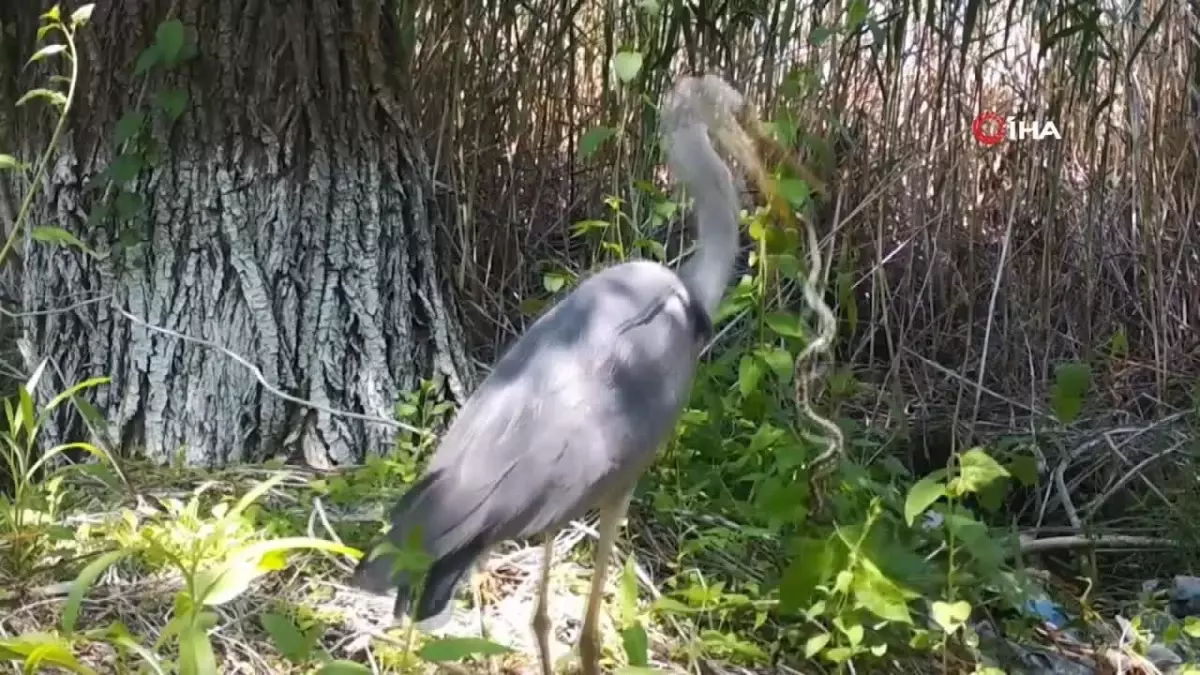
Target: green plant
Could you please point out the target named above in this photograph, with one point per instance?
(30, 515)
(52, 24)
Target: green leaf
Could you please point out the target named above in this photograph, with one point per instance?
(976, 470)
(129, 204)
(230, 580)
(795, 191)
(55, 98)
(81, 16)
(1118, 346)
(750, 374)
(28, 418)
(287, 637)
(1024, 468)
(921, 496)
(627, 65)
(785, 324)
(1071, 383)
(880, 595)
(856, 13)
(553, 283)
(592, 139)
(149, 58)
(951, 616)
(82, 583)
(854, 634)
(169, 39)
(53, 15)
(196, 655)
(10, 163)
(459, 648)
(780, 362)
(629, 592)
(173, 102)
(129, 125)
(636, 644)
(57, 235)
(1191, 626)
(343, 667)
(815, 644)
(48, 50)
(125, 167)
(811, 565)
(819, 35)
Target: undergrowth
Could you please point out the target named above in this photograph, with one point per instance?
(892, 569)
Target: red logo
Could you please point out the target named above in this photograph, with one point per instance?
(989, 128)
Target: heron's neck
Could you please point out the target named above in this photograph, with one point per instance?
(707, 272)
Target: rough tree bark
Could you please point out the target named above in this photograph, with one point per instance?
(292, 219)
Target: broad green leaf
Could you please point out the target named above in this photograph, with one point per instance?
(811, 565)
(82, 584)
(287, 637)
(1024, 468)
(1071, 383)
(815, 644)
(785, 324)
(196, 655)
(82, 15)
(56, 235)
(129, 125)
(343, 667)
(173, 102)
(53, 15)
(780, 362)
(48, 50)
(10, 163)
(795, 191)
(129, 204)
(921, 496)
(976, 470)
(854, 634)
(459, 648)
(1191, 626)
(880, 595)
(592, 139)
(951, 616)
(169, 39)
(627, 65)
(636, 644)
(819, 35)
(553, 283)
(750, 374)
(856, 13)
(149, 58)
(125, 167)
(55, 98)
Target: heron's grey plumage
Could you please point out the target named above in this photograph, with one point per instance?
(573, 413)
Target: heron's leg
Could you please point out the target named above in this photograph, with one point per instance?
(477, 579)
(589, 639)
(541, 613)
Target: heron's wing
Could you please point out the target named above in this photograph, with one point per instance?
(575, 410)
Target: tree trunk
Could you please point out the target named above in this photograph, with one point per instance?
(291, 219)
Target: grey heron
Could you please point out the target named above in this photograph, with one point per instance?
(575, 410)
